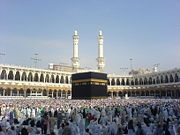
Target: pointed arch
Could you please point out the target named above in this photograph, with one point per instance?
(10, 75)
(145, 81)
(67, 81)
(132, 82)
(47, 78)
(136, 81)
(30, 77)
(52, 79)
(113, 82)
(154, 81)
(157, 80)
(57, 78)
(117, 82)
(4, 75)
(17, 76)
(41, 78)
(140, 81)
(150, 80)
(36, 77)
(176, 78)
(123, 82)
(62, 79)
(24, 76)
(171, 78)
(166, 79)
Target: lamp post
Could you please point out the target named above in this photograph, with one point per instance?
(35, 59)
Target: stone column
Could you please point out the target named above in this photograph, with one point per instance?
(25, 95)
(17, 92)
(4, 92)
(57, 94)
(52, 95)
(111, 94)
(47, 93)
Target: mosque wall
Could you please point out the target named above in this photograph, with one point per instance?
(25, 81)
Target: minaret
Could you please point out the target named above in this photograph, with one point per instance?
(75, 59)
(100, 58)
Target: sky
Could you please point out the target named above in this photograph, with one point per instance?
(148, 31)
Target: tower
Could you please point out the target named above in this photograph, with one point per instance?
(100, 58)
(75, 59)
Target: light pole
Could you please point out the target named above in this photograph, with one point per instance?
(35, 59)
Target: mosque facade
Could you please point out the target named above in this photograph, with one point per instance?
(55, 82)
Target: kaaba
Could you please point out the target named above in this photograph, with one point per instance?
(89, 85)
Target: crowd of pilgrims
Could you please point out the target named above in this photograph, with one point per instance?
(90, 117)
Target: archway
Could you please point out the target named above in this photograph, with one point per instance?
(157, 80)
(52, 79)
(30, 77)
(171, 78)
(62, 79)
(4, 75)
(150, 80)
(42, 78)
(118, 82)
(36, 78)
(132, 82)
(166, 79)
(44, 92)
(176, 78)
(136, 81)
(24, 76)
(10, 75)
(28, 92)
(57, 79)
(140, 81)
(145, 81)
(122, 82)
(67, 81)
(17, 76)
(113, 82)
(47, 78)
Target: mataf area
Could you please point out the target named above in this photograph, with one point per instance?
(41, 101)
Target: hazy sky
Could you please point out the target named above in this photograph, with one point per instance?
(148, 31)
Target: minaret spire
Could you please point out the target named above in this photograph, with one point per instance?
(75, 59)
(100, 58)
